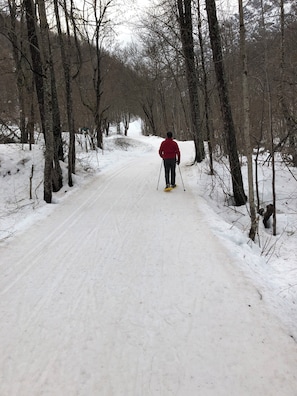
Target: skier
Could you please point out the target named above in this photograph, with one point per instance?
(170, 153)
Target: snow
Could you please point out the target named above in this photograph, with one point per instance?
(118, 288)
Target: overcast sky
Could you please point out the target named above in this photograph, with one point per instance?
(132, 9)
(131, 14)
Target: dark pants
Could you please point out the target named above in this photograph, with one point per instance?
(169, 165)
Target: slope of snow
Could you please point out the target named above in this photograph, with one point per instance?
(121, 289)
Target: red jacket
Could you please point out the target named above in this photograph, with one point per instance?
(169, 150)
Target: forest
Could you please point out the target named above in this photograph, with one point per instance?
(226, 82)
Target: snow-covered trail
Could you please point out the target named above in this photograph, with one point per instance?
(120, 293)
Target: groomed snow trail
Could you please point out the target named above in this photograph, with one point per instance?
(124, 291)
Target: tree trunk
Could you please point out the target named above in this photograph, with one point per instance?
(98, 93)
(31, 116)
(66, 62)
(270, 125)
(71, 149)
(126, 120)
(229, 129)
(186, 32)
(246, 124)
(48, 105)
(36, 59)
(57, 176)
(289, 121)
(149, 113)
(208, 126)
(18, 55)
(42, 85)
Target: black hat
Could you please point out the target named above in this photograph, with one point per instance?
(169, 134)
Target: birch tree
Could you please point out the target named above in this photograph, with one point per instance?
(246, 123)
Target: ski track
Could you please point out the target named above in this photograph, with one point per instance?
(121, 295)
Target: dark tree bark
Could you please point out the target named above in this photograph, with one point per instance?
(288, 117)
(18, 56)
(49, 155)
(186, 31)
(57, 177)
(31, 115)
(66, 62)
(149, 113)
(36, 58)
(45, 86)
(42, 78)
(69, 78)
(98, 91)
(208, 126)
(229, 129)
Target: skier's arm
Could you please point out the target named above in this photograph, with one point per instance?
(177, 154)
(161, 151)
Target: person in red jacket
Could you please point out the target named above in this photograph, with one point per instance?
(170, 153)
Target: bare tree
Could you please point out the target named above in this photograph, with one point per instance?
(31, 20)
(47, 100)
(96, 31)
(39, 78)
(229, 129)
(44, 79)
(65, 47)
(246, 124)
(186, 31)
(18, 51)
(161, 63)
(208, 124)
(290, 122)
(270, 116)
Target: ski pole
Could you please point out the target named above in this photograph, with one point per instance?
(159, 174)
(181, 178)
